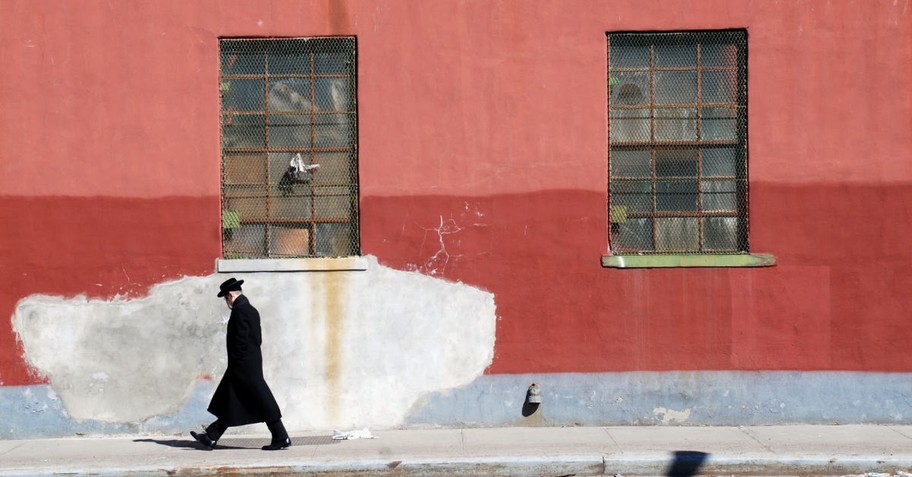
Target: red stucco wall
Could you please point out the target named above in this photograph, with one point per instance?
(489, 118)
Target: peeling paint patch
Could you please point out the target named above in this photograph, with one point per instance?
(341, 349)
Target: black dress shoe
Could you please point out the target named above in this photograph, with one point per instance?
(204, 439)
(278, 445)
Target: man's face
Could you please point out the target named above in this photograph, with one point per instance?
(229, 300)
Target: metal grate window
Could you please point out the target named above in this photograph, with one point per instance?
(678, 142)
(289, 148)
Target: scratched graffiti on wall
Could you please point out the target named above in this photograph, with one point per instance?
(440, 245)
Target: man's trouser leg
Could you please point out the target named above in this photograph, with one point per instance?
(215, 430)
(279, 434)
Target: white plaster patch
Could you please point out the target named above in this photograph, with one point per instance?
(670, 416)
(341, 349)
(123, 360)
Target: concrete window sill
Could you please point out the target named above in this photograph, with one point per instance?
(292, 264)
(680, 261)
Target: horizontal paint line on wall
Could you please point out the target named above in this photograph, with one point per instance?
(673, 261)
(291, 264)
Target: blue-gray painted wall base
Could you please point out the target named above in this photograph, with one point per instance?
(702, 398)
(30, 412)
(698, 398)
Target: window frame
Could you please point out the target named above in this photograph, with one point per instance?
(683, 197)
(266, 258)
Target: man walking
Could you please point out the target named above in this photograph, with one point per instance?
(242, 397)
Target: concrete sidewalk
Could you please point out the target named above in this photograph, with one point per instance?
(767, 450)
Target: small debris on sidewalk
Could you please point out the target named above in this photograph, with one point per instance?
(356, 434)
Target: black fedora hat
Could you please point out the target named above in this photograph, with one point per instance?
(229, 285)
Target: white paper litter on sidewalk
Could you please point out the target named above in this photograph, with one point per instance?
(356, 434)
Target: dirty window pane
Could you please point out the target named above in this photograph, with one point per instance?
(718, 54)
(630, 88)
(243, 131)
(719, 196)
(676, 181)
(333, 240)
(677, 234)
(236, 61)
(630, 125)
(675, 54)
(242, 95)
(676, 124)
(676, 87)
(721, 233)
(630, 56)
(635, 163)
(289, 241)
(720, 124)
(719, 87)
(720, 162)
(635, 196)
(634, 235)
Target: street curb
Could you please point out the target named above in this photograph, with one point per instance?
(748, 465)
(493, 466)
(623, 465)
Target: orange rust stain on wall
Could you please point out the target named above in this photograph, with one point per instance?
(339, 23)
(332, 310)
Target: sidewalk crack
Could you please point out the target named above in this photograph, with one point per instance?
(758, 441)
(614, 442)
(899, 432)
(10, 450)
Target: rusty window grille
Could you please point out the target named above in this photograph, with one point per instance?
(678, 142)
(289, 147)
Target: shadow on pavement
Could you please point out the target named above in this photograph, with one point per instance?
(240, 442)
(687, 463)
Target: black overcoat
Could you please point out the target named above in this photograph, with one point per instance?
(242, 396)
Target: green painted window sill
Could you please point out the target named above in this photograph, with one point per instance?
(678, 261)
